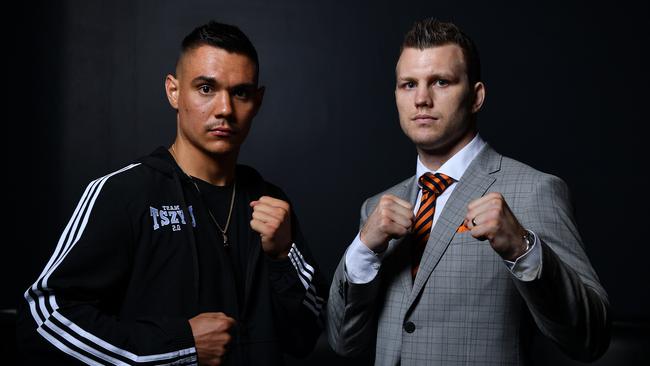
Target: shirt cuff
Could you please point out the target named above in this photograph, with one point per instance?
(361, 263)
(528, 266)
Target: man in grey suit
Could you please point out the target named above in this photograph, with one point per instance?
(457, 264)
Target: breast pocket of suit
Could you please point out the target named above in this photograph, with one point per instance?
(465, 238)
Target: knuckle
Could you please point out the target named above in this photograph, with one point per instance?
(382, 212)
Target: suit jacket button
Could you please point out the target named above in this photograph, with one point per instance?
(409, 327)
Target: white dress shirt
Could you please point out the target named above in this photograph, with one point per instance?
(362, 264)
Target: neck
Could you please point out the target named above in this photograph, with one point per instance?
(433, 159)
(214, 169)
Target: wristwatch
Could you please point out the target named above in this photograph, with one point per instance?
(529, 239)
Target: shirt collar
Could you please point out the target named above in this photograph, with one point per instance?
(456, 166)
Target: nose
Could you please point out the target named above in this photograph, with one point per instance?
(223, 105)
(423, 97)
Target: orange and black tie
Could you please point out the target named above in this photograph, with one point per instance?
(432, 187)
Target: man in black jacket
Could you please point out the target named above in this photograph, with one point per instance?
(182, 257)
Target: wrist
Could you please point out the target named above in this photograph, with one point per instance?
(275, 255)
(525, 240)
(372, 245)
(529, 239)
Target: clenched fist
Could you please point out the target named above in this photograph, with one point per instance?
(392, 218)
(489, 217)
(272, 220)
(210, 331)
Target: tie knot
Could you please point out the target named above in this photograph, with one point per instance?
(435, 183)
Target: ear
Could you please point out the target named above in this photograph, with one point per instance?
(259, 96)
(171, 88)
(479, 96)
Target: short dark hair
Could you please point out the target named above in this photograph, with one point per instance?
(224, 36)
(431, 32)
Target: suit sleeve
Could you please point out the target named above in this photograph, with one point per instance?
(299, 293)
(75, 301)
(351, 310)
(567, 301)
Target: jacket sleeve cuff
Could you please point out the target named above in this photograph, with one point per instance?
(529, 265)
(180, 336)
(282, 274)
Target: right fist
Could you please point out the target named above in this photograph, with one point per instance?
(392, 218)
(210, 331)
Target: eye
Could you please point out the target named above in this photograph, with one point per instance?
(242, 93)
(205, 89)
(408, 85)
(441, 82)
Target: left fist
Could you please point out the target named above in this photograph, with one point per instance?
(489, 217)
(272, 220)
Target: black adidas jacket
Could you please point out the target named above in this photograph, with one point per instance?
(124, 279)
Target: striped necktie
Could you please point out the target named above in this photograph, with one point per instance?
(432, 187)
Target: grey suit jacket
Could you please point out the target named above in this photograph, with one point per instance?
(464, 306)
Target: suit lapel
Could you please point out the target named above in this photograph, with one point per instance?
(473, 184)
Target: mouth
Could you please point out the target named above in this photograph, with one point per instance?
(221, 132)
(424, 118)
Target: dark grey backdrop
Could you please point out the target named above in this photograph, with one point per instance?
(567, 92)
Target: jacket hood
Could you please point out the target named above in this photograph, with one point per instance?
(162, 160)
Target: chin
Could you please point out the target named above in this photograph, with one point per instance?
(431, 148)
(427, 142)
(221, 148)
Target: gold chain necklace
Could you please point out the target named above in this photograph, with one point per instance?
(223, 231)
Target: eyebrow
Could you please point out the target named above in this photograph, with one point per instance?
(445, 75)
(205, 79)
(434, 76)
(250, 86)
(213, 81)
